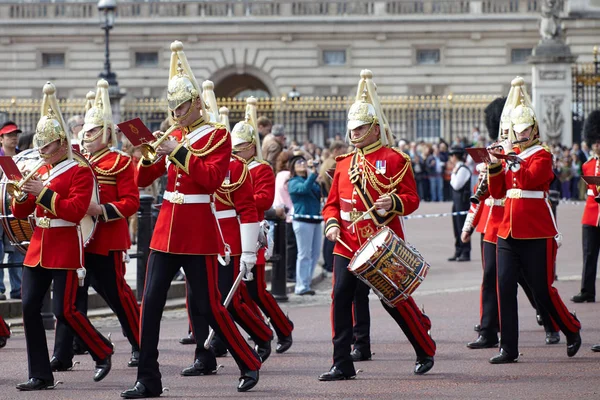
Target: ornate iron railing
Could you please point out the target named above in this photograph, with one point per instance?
(586, 92)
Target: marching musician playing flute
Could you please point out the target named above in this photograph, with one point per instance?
(363, 179)
(55, 253)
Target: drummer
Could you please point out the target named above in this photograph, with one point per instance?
(374, 174)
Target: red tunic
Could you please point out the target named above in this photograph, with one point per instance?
(263, 179)
(66, 197)
(525, 217)
(591, 212)
(344, 198)
(119, 198)
(235, 196)
(190, 228)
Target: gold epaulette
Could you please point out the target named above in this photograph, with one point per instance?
(239, 158)
(547, 148)
(262, 162)
(207, 149)
(217, 125)
(113, 170)
(342, 156)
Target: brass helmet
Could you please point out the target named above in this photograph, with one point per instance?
(182, 85)
(209, 98)
(99, 114)
(90, 97)
(224, 116)
(367, 110)
(246, 131)
(51, 126)
(520, 111)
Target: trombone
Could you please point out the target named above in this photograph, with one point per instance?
(16, 188)
(148, 150)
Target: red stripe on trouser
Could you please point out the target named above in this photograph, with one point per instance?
(481, 290)
(78, 322)
(331, 320)
(247, 298)
(353, 315)
(4, 330)
(498, 293)
(410, 313)
(128, 301)
(566, 317)
(271, 308)
(144, 293)
(223, 319)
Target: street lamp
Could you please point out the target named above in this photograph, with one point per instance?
(106, 12)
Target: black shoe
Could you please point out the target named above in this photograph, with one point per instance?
(583, 297)
(197, 369)
(483, 342)
(552, 337)
(335, 374)
(596, 348)
(463, 258)
(248, 380)
(189, 339)
(35, 384)
(134, 361)
(78, 349)
(573, 343)
(503, 358)
(3, 340)
(102, 369)
(477, 328)
(284, 344)
(139, 391)
(57, 365)
(423, 365)
(309, 292)
(453, 258)
(263, 350)
(358, 355)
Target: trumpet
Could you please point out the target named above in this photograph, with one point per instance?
(148, 150)
(497, 145)
(16, 188)
(482, 189)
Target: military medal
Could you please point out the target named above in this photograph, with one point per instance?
(227, 180)
(380, 166)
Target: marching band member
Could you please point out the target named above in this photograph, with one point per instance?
(527, 235)
(104, 254)
(55, 253)
(246, 144)
(361, 180)
(196, 164)
(591, 215)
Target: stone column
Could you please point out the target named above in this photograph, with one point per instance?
(552, 92)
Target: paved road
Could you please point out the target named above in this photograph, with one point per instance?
(450, 296)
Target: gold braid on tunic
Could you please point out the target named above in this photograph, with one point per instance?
(111, 171)
(369, 175)
(228, 189)
(207, 149)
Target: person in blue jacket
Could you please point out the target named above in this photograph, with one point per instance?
(305, 192)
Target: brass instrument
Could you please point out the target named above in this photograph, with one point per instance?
(15, 188)
(482, 188)
(148, 150)
(497, 145)
(597, 198)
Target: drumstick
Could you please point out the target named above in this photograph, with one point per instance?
(344, 244)
(369, 210)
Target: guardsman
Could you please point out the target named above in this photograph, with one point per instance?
(527, 236)
(362, 179)
(55, 254)
(246, 144)
(4, 332)
(591, 213)
(196, 163)
(106, 251)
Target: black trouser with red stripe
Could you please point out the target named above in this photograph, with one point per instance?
(534, 258)
(406, 314)
(591, 247)
(36, 282)
(242, 314)
(4, 329)
(106, 274)
(257, 289)
(205, 306)
(361, 318)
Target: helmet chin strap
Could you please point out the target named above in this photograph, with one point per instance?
(54, 153)
(532, 137)
(186, 115)
(363, 137)
(93, 138)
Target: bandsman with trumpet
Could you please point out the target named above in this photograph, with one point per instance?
(527, 235)
(55, 254)
(105, 253)
(196, 163)
(372, 187)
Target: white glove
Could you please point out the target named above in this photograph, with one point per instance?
(247, 262)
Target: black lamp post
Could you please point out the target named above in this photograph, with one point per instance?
(106, 11)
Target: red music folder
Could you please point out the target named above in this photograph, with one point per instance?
(592, 180)
(509, 157)
(10, 168)
(136, 132)
(479, 154)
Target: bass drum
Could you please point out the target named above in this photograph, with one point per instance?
(19, 231)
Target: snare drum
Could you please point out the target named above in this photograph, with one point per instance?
(390, 266)
(20, 231)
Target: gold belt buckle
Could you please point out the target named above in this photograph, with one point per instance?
(44, 222)
(178, 198)
(515, 193)
(355, 215)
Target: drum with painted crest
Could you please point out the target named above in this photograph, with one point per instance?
(390, 266)
(20, 231)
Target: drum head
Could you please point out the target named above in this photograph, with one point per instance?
(368, 249)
